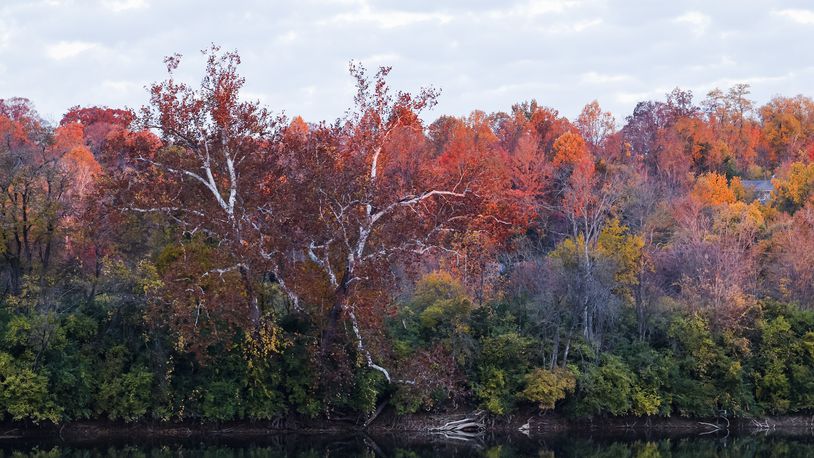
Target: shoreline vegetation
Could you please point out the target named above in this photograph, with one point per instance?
(204, 261)
(439, 426)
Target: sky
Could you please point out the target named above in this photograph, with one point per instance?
(481, 54)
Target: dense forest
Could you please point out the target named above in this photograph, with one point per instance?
(204, 258)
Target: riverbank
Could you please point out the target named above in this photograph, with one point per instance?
(461, 425)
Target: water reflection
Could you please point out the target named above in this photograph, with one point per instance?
(405, 446)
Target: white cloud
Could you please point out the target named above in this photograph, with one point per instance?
(388, 19)
(288, 37)
(381, 59)
(699, 22)
(67, 49)
(577, 27)
(5, 35)
(529, 9)
(524, 89)
(757, 80)
(118, 6)
(631, 98)
(540, 7)
(122, 86)
(722, 62)
(587, 24)
(483, 54)
(254, 96)
(796, 15)
(601, 78)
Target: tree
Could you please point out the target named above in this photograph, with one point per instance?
(713, 189)
(790, 263)
(793, 186)
(547, 387)
(211, 172)
(100, 125)
(595, 126)
(788, 128)
(372, 194)
(44, 176)
(735, 132)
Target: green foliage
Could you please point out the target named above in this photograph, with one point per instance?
(24, 393)
(651, 394)
(784, 360)
(221, 400)
(439, 310)
(504, 361)
(103, 359)
(546, 387)
(126, 396)
(494, 391)
(606, 388)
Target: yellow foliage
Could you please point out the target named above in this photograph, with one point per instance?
(625, 249)
(546, 387)
(794, 188)
(739, 219)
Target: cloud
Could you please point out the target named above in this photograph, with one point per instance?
(5, 35)
(118, 6)
(796, 15)
(577, 27)
(387, 19)
(380, 59)
(631, 98)
(287, 38)
(122, 86)
(699, 22)
(533, 8)
(601, 78)
(68, 49)
(254, 96)
(764, 80)
(483, 54)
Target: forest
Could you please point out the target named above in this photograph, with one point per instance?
(204, 258)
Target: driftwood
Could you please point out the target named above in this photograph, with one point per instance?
(468, 428)
(762, 425)
(473, 422)
(375, 414)
(711, 425)
(526, 427)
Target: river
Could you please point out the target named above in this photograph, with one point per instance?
(771, 444)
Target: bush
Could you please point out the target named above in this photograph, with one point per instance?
(546, 387)
(128, 396)
(606, 389)
(24, 393)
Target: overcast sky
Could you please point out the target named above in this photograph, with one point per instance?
(482, 54)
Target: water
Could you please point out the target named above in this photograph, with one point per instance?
(403, 446)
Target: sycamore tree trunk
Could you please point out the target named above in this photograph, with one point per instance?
(329, 335)
(556, 350)
(253, 302)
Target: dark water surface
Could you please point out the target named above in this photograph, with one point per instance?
(774, 444)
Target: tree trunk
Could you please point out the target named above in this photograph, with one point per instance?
(254, 306)
(567, 349)
(335, 314)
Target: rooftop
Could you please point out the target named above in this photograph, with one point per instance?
(759, 185)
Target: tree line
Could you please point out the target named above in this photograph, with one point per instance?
(205, 258)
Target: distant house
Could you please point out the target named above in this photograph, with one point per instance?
(762, 189)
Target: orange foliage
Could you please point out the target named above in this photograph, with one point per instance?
(713, 189)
